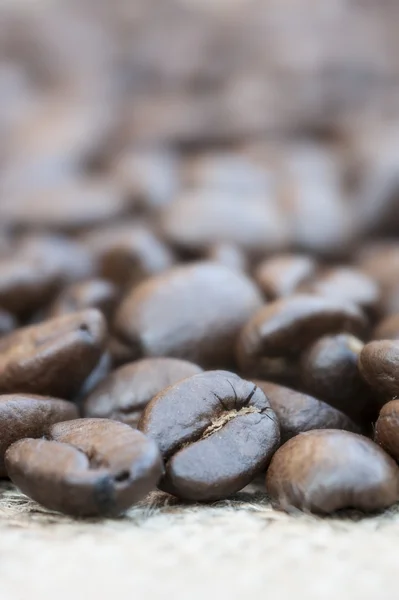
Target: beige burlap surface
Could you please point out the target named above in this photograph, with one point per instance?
(240, 548)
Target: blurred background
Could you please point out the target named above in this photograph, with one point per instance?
(114, 107)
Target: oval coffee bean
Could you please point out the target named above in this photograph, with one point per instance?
(92, 293)
(215, 431)
(387, 429)
(347, 284)
(281, 275)
(192, 312)
(329, 371)
(54, 357)
(327, 470)
(298, 412)
(125, 393)
(87, 467)
(25, 415)
(387, 329)
(379, 366)
(271, 342)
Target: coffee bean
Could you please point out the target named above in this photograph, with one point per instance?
(329, 371)
(125, 393)
(387, 428)
(281, 275)
(54, 357)
(387, 329)
(128, 253)
(192, 312)
(92, 293)
(228, 255)
(347, 284)
(327, 470)
(24, 415)
(271, 342)
(198, 220)
(298, 412)
(378, 365)
(215, 431)
(86, 467)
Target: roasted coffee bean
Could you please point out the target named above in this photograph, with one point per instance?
(329, 371)
(92, 293)
(271, 342)
(24, 415)
(193, 312)
(54, 357)
(215, 431)
(125, 393)
(198, 220)
(281, 275)
(379, 366)
(327, 470)
(387, 428)
(347, 284)
(86, 467)
(298, 412)
(228, 255)
(387, 329)
(128, 253)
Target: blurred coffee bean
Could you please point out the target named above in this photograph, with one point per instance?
(228, 255)
(92, 293)
(215, 432)
(120, 352)
(150, 177)
(86, 467)
(348, 284)
(97, 375)
(379, 366)
(329, 371)
(298, 412)
(125, 393)
(128, 253)
(281, 275)
(7, 322)
(387, 329)
(323, 471)
(54, 357)
(202, 218)
(387, 429)
(193, 312)
(75, 204)
(272, 341)
(24, 415)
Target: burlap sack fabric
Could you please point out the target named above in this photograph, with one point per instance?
(197, 70)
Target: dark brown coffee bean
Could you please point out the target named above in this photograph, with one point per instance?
(228, 255)
(387, 329)
(387, 429)
(271, 342)
(379, 366)
(125, 393)
(66, 205)
(197, 221)
(329, 371)
(347, 284)
(54, 357)
(128, 253)
(215, 431)
(281, 275)
(327, 470)
(87, 467)
(92, 293)
(24, 415)
(298, 412)
(192, 312)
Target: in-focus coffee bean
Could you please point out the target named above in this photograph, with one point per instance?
(86, 467)
(379, 366)
(215, 431)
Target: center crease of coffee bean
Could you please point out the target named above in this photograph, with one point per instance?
(221, 421)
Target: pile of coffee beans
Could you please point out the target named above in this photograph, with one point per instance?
(191, 319)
